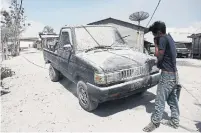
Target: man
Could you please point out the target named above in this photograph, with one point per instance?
(165, 52)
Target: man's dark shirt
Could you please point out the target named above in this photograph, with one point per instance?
(168, 63)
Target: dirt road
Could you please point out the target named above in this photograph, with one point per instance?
(37, 104)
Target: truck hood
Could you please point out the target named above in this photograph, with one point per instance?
(113, 60)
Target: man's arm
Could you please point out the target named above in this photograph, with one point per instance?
(160, 48)
(159, 53)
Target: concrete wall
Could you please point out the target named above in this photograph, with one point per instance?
(197, 46)
(26, 44)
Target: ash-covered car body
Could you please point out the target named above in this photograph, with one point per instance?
(99, 61)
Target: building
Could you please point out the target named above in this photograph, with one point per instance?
(136, 38)
(27, 42)
(196, 45)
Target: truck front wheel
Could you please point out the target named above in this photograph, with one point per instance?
(54, 74)
(84, 99)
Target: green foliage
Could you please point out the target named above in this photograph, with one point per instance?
(48, 30)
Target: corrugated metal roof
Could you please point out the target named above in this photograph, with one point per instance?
(113, 19)
(79, 26)
(194, 35)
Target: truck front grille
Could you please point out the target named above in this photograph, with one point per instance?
(134, 72)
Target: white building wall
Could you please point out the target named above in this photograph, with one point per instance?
(26, 44)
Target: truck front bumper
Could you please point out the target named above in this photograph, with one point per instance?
(102, 94)
(183, 52)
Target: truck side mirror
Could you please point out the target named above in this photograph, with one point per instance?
(67, 47)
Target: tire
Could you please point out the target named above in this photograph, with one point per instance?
(54, 74)
(61, 76)
(84, 99)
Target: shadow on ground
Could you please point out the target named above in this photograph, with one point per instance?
(198, 126)
(199, 105)
(68, 85)
(112, 107)
(29, 52)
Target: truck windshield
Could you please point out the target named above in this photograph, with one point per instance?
(90, 37)
(180, 45)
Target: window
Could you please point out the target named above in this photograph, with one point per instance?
(65, 37)
(89, 36)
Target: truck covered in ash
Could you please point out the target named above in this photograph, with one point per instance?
(98, 60)
(182, 50)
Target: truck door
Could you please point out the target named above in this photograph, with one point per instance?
(64, 51)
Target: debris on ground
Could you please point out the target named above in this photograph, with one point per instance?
(3, 91)
(6, 72)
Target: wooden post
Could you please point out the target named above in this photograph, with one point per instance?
(193, 41)
(199, 46)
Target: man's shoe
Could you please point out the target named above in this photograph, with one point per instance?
(150, 127)
(170, 123)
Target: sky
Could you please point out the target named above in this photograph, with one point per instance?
(179, 15)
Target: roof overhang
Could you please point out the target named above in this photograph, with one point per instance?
(195, 35)
(120, 21)
(42, 35)
(186, 42)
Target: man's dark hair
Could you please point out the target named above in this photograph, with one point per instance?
(158, 26)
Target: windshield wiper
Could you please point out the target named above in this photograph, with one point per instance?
(105, 47)
(119, 39)
(91, 35)
(98, 47)
(101, 46)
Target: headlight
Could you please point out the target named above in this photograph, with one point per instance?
(99, 78)
(107, 78)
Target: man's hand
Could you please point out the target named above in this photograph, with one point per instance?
(156, 50)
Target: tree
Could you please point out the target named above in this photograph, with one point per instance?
(18, 25)
(6, 33)
(13, 24)
(48, 30)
